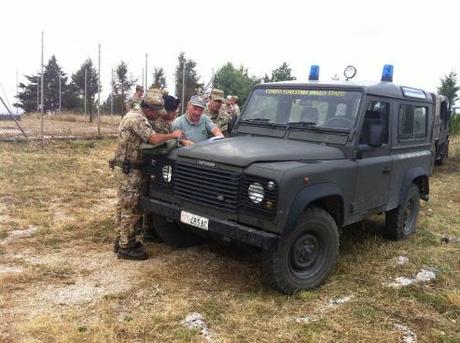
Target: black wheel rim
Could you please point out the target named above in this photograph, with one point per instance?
(409, 216)
(306, 255)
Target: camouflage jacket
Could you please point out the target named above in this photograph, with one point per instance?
(161, 126)
(233, 110)
(220, 119)
(134, 130)
(132, 102)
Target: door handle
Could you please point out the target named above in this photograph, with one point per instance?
(386, 170)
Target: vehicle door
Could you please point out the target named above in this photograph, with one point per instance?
(374, 164)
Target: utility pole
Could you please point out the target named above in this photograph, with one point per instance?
(38, 91)
(99, 94)
(60, 96)
(183, 87)
(17, 91)
(146, 73)
(86, 77)
(41, 97)
(111, 95)
(143, 82)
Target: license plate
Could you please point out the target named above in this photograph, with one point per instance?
(194, 220)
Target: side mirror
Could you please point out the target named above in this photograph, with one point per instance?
(375, 135)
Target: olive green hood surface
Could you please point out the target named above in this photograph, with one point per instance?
(245, 150)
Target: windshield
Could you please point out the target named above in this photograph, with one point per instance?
(317, 108)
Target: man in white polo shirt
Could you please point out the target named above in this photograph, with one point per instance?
(196, 126)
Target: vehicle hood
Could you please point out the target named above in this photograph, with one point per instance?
(245, 150)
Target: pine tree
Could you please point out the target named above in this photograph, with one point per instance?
(192, 84)
(27, 97)
(78, 81)
(449, 88)
(122, 84)
(159, 78)
(53, 74)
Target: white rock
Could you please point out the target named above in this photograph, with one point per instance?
(402, 260)
(409, 336)
(425, 275)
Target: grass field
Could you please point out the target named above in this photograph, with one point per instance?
(61, 282)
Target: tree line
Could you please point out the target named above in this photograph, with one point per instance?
(234, 80)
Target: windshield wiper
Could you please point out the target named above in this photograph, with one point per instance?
(256, 120)
(261, 121)
(302, 123)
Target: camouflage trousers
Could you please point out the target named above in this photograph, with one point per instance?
(129, 213)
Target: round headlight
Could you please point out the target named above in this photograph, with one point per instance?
(166, 171)
(256, 192)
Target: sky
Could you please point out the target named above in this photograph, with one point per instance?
(420, 38)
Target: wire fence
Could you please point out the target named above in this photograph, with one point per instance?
(57, 126)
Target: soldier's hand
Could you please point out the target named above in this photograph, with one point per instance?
(177, 134)
(186, 142)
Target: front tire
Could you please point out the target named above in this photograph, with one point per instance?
(304, 256)
(401, 222)
(172, 233)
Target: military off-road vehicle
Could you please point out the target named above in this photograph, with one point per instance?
(304, 159)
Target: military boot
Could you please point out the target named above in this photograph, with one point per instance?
(133, 252)
(116, 245)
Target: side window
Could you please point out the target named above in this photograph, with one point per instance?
(376, 112)
(412, 122)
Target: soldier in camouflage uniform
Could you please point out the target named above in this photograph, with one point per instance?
(135, 99)
(232, 107)
(134, 130)
(163, 123)
(216, 112)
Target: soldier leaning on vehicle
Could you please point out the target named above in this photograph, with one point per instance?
(134, 130)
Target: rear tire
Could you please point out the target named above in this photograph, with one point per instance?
(172, 233)
(304, 256)
(401, 222)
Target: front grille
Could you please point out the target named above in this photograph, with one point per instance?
(214, 187)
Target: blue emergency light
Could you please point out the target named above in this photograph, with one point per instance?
(387, 73)
(314, 72)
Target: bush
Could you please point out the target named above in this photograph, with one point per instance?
(455, 125)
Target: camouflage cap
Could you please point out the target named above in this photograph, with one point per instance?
(154, 99)
(217, 94)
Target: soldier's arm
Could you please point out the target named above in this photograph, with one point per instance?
(158, 138)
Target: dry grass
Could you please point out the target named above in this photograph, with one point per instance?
(63, 284)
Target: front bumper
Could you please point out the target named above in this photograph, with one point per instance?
(225, 228)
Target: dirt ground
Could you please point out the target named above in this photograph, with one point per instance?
(61, 282)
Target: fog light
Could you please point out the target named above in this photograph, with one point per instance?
(269, 205)
(270, 185)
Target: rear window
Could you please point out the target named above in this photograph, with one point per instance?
(412, 122)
